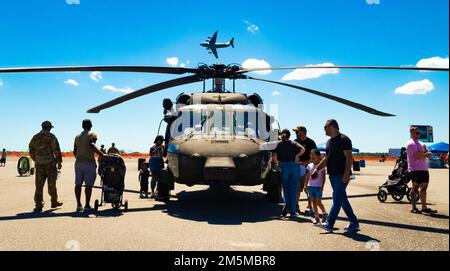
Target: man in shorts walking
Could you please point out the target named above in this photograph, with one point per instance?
(85, 165)
(418, 153)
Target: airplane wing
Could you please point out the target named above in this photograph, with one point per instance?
(213, 40)
(214, 51)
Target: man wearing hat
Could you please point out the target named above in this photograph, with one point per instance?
(305, 159)
(45, 151)
(85, 164)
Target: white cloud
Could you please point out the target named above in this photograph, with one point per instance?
(303, 74)
(72, 82)
(433, 62)
(276, 93)
(252, 63)
(172, 61)
(96, 76)
(253, 28)
(416, 87)
(175, 62)
(114, 89)
(1, 83)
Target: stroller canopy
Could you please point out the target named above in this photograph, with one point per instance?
(321, 147)
(440, 147)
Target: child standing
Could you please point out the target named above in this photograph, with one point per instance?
(144, 174)
(315, 186)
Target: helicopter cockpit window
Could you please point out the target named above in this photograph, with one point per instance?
(220, 120)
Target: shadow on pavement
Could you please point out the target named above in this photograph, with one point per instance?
(224, 208)
(400, 226)
(50, 214)
(356, 236)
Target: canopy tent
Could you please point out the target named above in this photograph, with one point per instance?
(321, 147)
(440, 147)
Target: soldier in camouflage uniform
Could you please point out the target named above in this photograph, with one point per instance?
(45, 151)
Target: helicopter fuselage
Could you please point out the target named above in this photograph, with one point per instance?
(220, 137)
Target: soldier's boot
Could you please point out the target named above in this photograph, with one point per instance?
(38, 209)
(52, 176)
(56, 204)
(38, 194)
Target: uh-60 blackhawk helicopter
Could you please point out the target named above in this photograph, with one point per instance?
(217, 136)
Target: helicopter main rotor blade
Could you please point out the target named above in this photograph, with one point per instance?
(331, 97)
(143, 69)
(346, 67)
(147, 90)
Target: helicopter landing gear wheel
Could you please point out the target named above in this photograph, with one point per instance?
(273, 187)
(162, 191)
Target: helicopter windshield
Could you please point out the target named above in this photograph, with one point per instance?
(220, 120)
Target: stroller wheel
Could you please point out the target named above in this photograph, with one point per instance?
(96, 205)
(126, 206)
(116, 205)
(382, 196)
(408, 195)
(398, 197)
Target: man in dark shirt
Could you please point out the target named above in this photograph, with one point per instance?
(287, 154)
(305, 159)
(338, 161)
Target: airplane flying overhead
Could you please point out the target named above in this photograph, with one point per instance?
(212, 46)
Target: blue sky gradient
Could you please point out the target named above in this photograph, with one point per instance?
(139, 32)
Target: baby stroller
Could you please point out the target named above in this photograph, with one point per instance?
(112, 172)
(397, 183)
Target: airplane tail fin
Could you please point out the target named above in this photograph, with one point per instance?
(232, 42)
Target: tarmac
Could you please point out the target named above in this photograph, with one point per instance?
(199, 219)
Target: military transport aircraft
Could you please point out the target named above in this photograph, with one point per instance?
(212, 46)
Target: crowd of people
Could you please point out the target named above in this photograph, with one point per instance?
(302, 167)
(45, 151)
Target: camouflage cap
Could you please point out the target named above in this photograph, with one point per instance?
(47, 124)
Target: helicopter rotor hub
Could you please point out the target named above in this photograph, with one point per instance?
(219, 71)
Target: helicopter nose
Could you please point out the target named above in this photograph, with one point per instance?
(219, 168)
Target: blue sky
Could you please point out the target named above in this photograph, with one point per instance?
(114, 32)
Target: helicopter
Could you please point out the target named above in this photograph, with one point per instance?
(217, 137)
